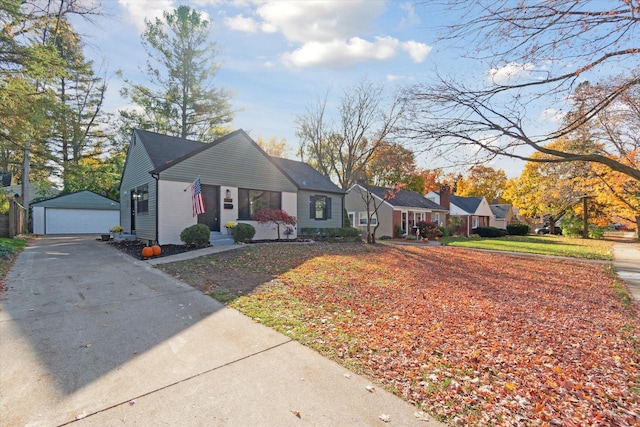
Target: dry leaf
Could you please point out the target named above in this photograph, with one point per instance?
(347, 375)
(296, 413)
(371, 389)
(386, 418)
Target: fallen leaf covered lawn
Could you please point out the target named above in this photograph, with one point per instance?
(473, 338)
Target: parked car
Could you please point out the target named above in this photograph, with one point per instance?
(546, 230)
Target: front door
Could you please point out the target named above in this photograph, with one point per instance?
(132, 202)
(210, 217)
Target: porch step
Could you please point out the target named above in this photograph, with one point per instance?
(216, 238)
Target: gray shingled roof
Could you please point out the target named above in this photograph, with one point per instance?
(83, 199)
(406, 198)
(306, 177)
(500, 211)
(163, 149)
(468, 204)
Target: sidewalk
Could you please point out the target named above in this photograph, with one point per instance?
(92, 337)
(626, 261)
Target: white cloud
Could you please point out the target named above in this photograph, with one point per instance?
(418, 51)
(338, 53)
(509, 72)
(319, 21)
(139, 10)
(393, 77)
(335, 34)
(240, 23)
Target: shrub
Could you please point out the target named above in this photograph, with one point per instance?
(348, 234)
(347, 221)
(489, 232)
(243, 232)
(445, 231)
(571, 226)
(197, 235)
(385, 238)
(518, 229)
(428, 230)
(5, 251)
(397, 230)
(596, 232)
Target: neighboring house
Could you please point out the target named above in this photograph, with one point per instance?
(473, 211)
(503, 215)
(82, 212)
(400, 208)
(237, 179)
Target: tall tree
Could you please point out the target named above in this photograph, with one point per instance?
(29, 62)
(547, 190)
(482, 181)
(424, 180)
(390, 164)
(274, 147)
(182, 99)
(342, 150)
(77, 131)
(536, 51)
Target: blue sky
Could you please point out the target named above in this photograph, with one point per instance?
(278, 57)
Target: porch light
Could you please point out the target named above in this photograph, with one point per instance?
(228, 194)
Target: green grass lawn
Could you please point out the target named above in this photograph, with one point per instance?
(9, 247)
(544, 245)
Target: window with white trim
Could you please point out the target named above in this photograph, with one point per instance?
(362, 218)
(475, 222)
(352, 219)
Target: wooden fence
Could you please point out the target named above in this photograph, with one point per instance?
(15, 222)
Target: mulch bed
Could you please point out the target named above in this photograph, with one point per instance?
(134, 248)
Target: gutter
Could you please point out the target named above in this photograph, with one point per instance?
(156, 176)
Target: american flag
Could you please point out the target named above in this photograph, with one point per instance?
(197, 201)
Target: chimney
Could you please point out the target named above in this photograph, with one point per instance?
(445, 197)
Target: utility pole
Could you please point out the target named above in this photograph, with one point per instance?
(26, 196)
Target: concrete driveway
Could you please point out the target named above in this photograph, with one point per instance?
(91, 337)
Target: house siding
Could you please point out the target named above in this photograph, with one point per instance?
(136, 173)
(354, 203)
(304, 220)
(175, 211)
(234, 162)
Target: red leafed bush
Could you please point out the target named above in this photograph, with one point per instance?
(276, 216)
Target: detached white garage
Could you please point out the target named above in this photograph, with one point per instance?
(83, 212)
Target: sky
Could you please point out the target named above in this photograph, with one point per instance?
(279, 57)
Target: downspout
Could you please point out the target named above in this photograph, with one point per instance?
(157, 178)
(342, 214)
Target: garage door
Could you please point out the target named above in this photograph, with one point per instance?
(79, 221)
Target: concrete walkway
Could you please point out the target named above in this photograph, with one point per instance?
(91, 337)
(626, 260)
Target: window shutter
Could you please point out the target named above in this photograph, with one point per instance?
(327, 206)
(312, 207)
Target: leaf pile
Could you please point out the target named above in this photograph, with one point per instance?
(473, 338)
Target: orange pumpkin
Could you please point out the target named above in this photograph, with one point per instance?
(147, 252)
(156, 249)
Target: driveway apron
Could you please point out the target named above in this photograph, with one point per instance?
(90, 336)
